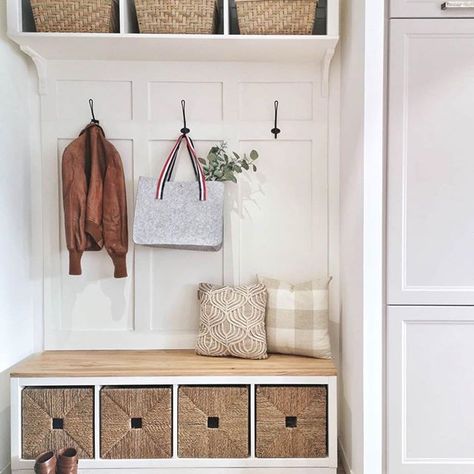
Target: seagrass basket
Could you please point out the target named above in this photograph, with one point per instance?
(276, 17)
(76, 16)
(291, 422)
(179, 17)
(135, 423)
(57, 418)
(213, 422)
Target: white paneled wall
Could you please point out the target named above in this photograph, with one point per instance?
(276, 221)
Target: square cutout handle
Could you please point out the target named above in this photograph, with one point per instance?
(291, 421)
(136, 423)
(58, 424)
(213, 422)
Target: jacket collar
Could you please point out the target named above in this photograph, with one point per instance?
(90, 127)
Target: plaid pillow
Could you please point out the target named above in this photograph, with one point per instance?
(297, 318)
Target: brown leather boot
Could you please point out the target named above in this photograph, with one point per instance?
(67, 461)
(46, 463)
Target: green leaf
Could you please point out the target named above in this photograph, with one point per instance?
(245, 165)
(238, 168)
(236, 155)
(229, 176)
(202, 161)
(253, 155)
(254, 167)
(212, 157)
(219, 174)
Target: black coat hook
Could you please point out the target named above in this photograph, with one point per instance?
(91, 105)
(185, 130)
(275, 130)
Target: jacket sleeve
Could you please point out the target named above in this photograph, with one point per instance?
(115, 213)
(74, 199)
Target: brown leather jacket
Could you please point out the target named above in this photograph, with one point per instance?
(95, 205)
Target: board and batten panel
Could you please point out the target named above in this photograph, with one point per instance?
(430, 387)
(277, 213)
(96, 300)
(431, 9)
(430, 162)
(174, 304)
(275, 220)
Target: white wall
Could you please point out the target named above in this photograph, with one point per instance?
(276, 220)
(361, 224)
(351, 239)
(20, 214)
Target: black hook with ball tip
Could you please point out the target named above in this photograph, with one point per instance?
(185, 130)
(91, 105)
(275, 130)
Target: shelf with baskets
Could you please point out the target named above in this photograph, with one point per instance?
(226, 44)
(174, 409)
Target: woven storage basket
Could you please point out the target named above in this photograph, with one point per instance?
(135, 423)
(276, 17)
(213, 422)
(76, 16)
(57, 418)
(180, 17)
(291, 422)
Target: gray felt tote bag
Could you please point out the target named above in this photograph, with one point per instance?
(179, 215)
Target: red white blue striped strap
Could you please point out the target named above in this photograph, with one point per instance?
(167, 170)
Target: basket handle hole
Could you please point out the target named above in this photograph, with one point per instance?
(58, 424)
(136, 423)
(291, 421)
(213, 422)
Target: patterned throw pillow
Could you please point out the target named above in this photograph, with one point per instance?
(232, 321)
(298, 318)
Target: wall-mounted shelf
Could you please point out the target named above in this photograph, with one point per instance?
(138, 47)
(131, 46)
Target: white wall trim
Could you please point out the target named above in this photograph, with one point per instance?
(373, 254)
(343, 458)
(6, 470)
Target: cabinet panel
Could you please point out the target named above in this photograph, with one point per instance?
(431, 9)
(430, 386)
(430, 163)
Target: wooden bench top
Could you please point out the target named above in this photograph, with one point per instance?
(163, 363)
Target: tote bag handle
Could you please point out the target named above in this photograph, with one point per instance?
(168, 167)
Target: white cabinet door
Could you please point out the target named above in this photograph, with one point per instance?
(431, 162)
(432, 8)
(430, 390)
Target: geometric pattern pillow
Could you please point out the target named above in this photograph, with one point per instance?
(298, 318)
(232, 321)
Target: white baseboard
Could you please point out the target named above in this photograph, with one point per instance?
(343, 459)
(6, 470)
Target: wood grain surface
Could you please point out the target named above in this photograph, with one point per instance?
(163, 363)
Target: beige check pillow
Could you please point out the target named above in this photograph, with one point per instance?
(298, 318)
(232, 321)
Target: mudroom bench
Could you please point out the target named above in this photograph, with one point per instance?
(154, 411)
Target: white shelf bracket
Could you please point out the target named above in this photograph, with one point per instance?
(325, 68)
(41, 68)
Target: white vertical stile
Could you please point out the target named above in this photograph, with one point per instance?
(253, 420)
(226, 16)
(14, 16)
(175, 420)
(332, 28)
(123, 16)
(15, 403)
(332, 421)
(97, 426)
